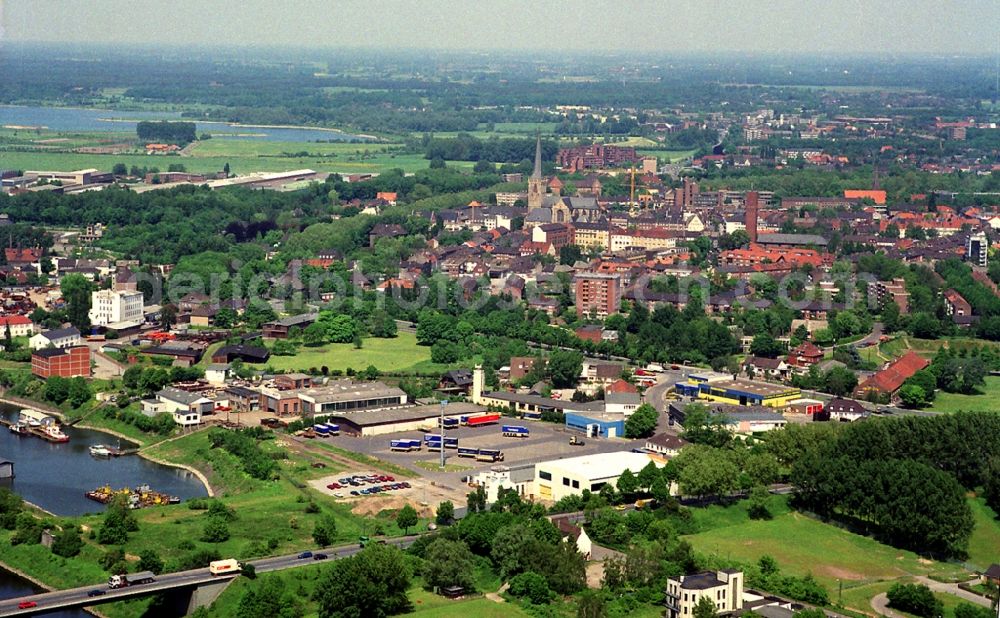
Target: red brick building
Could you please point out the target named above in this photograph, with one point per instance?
(65, 362)
(595, 156)
(751, 201)
(599, 294)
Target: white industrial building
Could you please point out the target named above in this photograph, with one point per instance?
(116, 307)
(559, 478)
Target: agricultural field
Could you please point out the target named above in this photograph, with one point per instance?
(388, 355)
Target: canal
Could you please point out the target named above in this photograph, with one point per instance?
(55, 477)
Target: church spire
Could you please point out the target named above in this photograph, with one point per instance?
(538, 157)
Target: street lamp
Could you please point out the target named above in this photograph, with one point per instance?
(444, 402)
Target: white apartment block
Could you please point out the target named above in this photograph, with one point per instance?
(114, 307)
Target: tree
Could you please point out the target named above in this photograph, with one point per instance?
(706, 471)
(57, 389)
(449, 563)
(168, 316)
(765, 345)
(627, 483)
(371, 583)
(648, 475)
(564, 367)
(570, 254)
(445, 513)
(642, 422)
(531, 586)
(325, 532)
(475, 501)
(78, 392)
(704, 608)
(8, 339)
(76, 291)
(916, 599)
(67, 543)
(118, 522)
(149, 560)
(701, 427)
(839, 381)
(215, 531)
(314, 334)
(757, 508)
(406, 518)
(591, 604)
(912, 396)
(271, 596)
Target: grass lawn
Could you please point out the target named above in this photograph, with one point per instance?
(803, 545)
(988, 399)
(429, 605)
(666, 155)
(396, 354)
(984, 546)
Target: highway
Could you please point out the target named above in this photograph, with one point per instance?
(80, 597)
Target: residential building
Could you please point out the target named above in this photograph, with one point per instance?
(19, 325)
(895, 291)
(622, 403)
(595, 156)
(724, 588)
(575, 534)
(57, 338)
(217, 373)
(844, 410)
(976, 248)
(804, 355)
(65, 362)
(111, 307)
(279, 328)
(186, 407)
(888, 381)
(597, 294)
(956, 306)
(665, 444)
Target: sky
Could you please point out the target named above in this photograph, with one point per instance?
(783, 26)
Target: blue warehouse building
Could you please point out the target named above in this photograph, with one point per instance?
(597, 425)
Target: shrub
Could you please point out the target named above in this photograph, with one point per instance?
(916, 599)
(531, 586)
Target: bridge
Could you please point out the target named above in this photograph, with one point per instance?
(201, 586)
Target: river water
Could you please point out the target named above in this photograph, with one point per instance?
(55, 477)
(99, 120)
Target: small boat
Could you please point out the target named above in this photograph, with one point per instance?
(99, 450)
(20, 429)
(52, 433)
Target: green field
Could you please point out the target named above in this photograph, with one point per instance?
(397, 354)
(803, 545)
(984, 546)
(988, 399)
(671, 156)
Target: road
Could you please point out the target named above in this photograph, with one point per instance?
(79, 597)
(880, 602)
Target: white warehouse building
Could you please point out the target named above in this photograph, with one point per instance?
(556, 479)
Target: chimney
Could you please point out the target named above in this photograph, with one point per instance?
(750, 201)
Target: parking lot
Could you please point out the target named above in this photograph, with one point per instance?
(546, 441)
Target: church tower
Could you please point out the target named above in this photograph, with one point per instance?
(536, 184)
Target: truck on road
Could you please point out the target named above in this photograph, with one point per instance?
(228, 566)
(131, 579)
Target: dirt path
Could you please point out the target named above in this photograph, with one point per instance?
(495, 596)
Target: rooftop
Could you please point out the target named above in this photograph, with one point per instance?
(599, 465)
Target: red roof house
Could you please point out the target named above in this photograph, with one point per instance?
(888, 380)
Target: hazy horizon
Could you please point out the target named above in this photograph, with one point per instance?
(777, 27)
